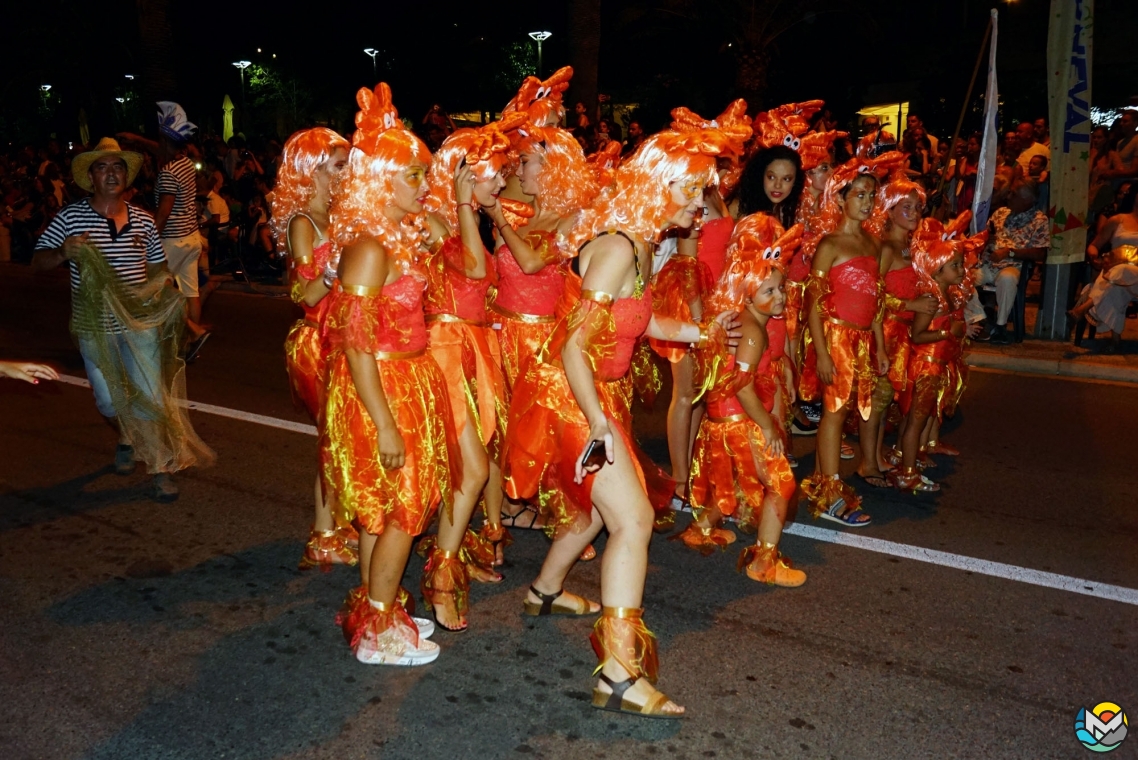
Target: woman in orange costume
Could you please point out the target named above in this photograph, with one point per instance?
(310, 163)
(394, 455)
(739, 462)
(935, 376)
(846, 351)
(573, 400)
(465, 177)
(679, 287)
(897, 214)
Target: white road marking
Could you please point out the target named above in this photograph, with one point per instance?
(960, 562)
(221, 411)
(905, 551)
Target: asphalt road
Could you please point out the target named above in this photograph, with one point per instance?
(137, 630)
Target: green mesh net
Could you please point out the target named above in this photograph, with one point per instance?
(153, 417)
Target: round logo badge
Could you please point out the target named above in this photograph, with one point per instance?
(1102, 728)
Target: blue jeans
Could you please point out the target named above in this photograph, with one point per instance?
(139, 358)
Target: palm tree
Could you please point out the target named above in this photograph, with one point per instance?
(585, 49)
(158, 80)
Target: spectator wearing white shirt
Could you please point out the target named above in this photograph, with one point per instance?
(1026, 134)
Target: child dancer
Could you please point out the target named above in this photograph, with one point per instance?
(739, 467)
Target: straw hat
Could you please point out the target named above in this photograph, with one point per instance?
(108, 146)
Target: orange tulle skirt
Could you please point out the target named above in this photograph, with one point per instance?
(470, 361)
(519, 342)
(546, 433)
(851, 350)
(408, 497)
(732, 472)
(305, 362)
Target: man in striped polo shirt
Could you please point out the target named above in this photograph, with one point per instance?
(127, 238)
(176, 215)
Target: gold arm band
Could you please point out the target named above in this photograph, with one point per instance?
(598, 296)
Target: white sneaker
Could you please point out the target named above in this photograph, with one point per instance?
(392, 649)
(426, 627)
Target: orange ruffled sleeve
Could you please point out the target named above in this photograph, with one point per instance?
(595, 333)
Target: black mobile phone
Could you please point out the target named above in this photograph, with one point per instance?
(595, 455)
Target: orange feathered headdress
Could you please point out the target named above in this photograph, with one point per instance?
(541, 101)
(377, 114)
(733, 123)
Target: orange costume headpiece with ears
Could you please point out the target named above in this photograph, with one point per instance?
(829, 212)
(787, 125)
(935, 244)
(567, 182)
(639, 200)
(758, 246)
(382, 149)
(541, 101)
(485, 150)
(304, 152)
(605, 161)
(736, 128)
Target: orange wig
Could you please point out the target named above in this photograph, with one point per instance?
(304, 153)
(639, 200)
(541, 101)
(898, 188)
(758, 246)
(485, 150)
(934, 245)
(567, 182)
(382, 149)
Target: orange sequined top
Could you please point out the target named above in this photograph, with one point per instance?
(855, 291)
(310, 270)
(378, 320)
(449, 289)
(535, 293)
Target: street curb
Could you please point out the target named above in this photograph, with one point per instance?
(1052, 367)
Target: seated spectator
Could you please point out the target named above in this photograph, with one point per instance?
(1127, 147)
(1115, 248)
(1018, 231)
(635, 138)
(1029, 148)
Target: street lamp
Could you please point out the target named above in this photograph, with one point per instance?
(540, 37)
(373, 53)
(241, 66)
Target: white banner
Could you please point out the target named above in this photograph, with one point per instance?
(1069, 94)
(986, 166)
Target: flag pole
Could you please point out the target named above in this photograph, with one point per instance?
(967, 100)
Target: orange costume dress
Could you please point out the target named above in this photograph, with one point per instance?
(713, 239)
(525, 305)
(770, 374)
(730, 468)
(466, 349)
(683, 279)
(900, 287)
(849, 300)
(936, 371)
(305, 357)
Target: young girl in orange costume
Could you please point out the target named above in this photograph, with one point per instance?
(393, 452)
(690, 274)
(845, 350)
(466, 177)
(310, 163)
(573, 400)
(739, 467)
(897, 214)
(936, 367)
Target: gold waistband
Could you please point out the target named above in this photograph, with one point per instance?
(850, 325)
(389, 356)
(529, 319)
(310, 323)
(733, 418)
(897, 318)
(361, 290)
(453, 319)
(931, 360)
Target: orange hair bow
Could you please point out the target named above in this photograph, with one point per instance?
(815, 148)
(377, 114)
(493, 138)
(707, 142)
(786, 124)
(733, 123)
(541, 101)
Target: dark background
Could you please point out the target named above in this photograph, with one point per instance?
(656, 54)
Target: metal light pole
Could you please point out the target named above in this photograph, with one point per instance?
(241, 66)
(540, 37)
(373, 53)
